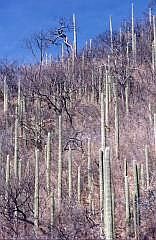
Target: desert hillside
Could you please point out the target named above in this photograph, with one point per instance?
(78, 139)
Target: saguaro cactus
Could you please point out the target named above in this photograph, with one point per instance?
(108, 210)
(103, 131)
(154, 45)
(155, 131)
(7, 170)
(48, 162)
(7, 177)
(150, 113)
(75, 37)
(125, 167)
(5, 96)
(111, 32)
(70, 172)
(36, 193)
(79, 184)
(101, 189)
(89, 165)
(142, 176)
(127, 97)
(90, 180)
(135, 216)
(100, 81)
(133, 36)
(101, 178)
(20, 170)
(136, 192)
(19, 99)
(127, 204)
(107, 101)
(59, 184)
(52, 210)
(116, 120)
(147, 166)
(16, 150)
(150, 16)
(93, 89)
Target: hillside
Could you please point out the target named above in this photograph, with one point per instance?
(78, 141)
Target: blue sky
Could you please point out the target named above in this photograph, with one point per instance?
(19, 19)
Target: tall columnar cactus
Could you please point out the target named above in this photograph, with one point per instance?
(52, 210)
(109, 88)
(90, 44)
(19, 99)
(108, 208)
(125, 167)
(82, 67)
(101, 181)
(75, 37)
(150, 16)
(154, 45)
(45, 155)
(155, 130)
(111, 32)
(150, 113)
(93, 89)
(113, 210)
(36, 193)
(20, 170)
(116, 120)
(89, 174)
(107, 101)
(100, 82)
(142, 176)
(79, 184)
(70, 173)
(147, 166)
(48, 162)
(136, 192)
(92, 201)
(103, 131)
(120, 33)
(127, 54)
(127, 204)
(5, 96)
(59, 183)
(127, 97)
(7, 178)
(133, 36)
(89, 165)
(135, 224)
(16, 150)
